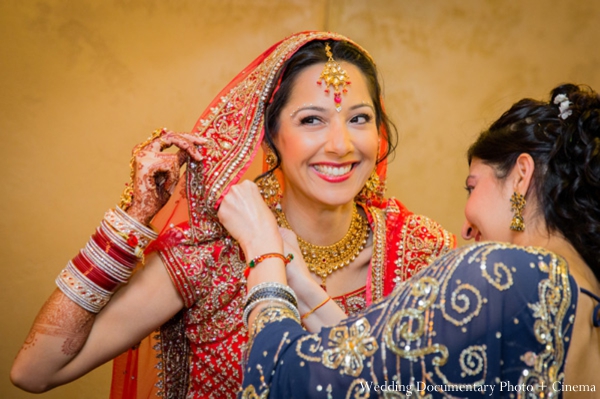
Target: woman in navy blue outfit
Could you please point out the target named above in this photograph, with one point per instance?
(514, 315)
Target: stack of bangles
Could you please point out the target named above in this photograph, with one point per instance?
(107, 260)
(270, 291)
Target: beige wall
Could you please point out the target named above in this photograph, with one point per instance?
(82, 81)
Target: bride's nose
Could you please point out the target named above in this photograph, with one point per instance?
(339, 139)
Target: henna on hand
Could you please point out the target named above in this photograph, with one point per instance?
(156, 173)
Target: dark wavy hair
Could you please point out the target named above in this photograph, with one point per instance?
(313, 53)
(566, 150)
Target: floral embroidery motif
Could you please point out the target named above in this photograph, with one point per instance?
(351, 346)
(421, 242)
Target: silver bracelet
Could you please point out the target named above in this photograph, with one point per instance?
(254, 304)
(272, 284)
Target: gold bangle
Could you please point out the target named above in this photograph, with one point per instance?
(305, 315)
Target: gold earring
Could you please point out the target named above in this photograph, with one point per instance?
(373, 190)
(269, 186)
(517, 204)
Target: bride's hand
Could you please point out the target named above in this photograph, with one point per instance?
(245, 215)
(155, 173)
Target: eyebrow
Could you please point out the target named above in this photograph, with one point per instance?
(321, 109)
(363, 104)
(308, 107)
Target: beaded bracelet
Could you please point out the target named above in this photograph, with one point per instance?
(286, 259)
(305, 315)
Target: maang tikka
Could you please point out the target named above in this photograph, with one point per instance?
(334, 75)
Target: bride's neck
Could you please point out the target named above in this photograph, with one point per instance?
(319, 225)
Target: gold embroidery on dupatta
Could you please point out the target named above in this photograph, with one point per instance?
(378, 259)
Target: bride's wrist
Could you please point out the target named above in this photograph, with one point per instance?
(260, 245)
(308, 291)
(106, 262)
(138, 214)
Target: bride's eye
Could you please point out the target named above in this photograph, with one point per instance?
(309, 120)
(361, 118)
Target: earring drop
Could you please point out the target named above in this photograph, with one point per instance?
(517, 204)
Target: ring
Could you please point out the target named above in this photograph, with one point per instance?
(163, 144)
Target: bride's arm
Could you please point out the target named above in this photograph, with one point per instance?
(67, 341)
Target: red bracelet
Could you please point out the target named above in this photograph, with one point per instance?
(93, 273)
(113, 250)
(286, 259)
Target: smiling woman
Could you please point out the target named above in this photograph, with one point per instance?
(317, 96)
(327, 155)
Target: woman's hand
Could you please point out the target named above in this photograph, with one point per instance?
(245, 215)
(298, 275)
(155, 173)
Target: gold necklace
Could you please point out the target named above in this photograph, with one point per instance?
(324, 260)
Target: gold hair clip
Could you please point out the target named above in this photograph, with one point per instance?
(334, 75)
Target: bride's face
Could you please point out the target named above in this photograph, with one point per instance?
(326, 155)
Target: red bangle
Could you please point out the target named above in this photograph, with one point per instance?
(92, 272)
(286, 259)
(113, 250)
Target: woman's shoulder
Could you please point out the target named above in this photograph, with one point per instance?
(504, 266)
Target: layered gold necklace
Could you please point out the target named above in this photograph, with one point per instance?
(324, 260)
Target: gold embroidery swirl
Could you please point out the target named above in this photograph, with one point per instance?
(473, 361)
(501, 272)
(314, 344)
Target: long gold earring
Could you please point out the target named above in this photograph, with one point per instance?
(269, 186)
(517, 204)
(373, 190)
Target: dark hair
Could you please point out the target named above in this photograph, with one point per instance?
(565, 146)
(314, 53)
